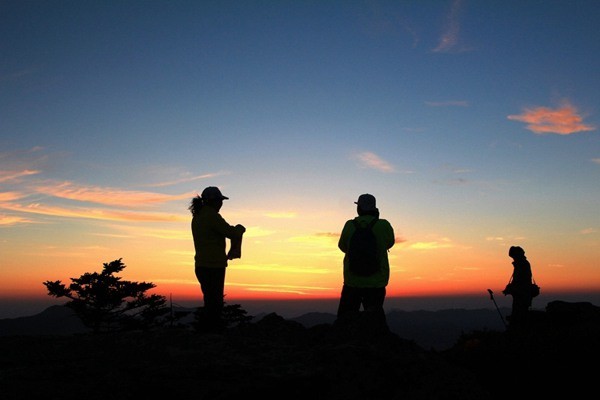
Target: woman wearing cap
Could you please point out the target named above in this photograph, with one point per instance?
(359, 289)
(209, 231)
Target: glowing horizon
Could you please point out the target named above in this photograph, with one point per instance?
(458, 116)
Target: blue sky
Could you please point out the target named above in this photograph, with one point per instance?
(474, 123)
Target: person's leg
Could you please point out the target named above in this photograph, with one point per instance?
(373, 299)
(520, 310)
(212, 282)
(214, 288)
(350, 300)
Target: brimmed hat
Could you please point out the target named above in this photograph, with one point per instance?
(366, 202)
(213, 193)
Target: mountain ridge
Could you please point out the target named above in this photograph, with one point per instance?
(437, 330)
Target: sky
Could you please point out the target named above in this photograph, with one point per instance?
(475, 125)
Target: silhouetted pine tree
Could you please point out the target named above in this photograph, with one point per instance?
(105, 302)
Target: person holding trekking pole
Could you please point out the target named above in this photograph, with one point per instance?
(519, 287)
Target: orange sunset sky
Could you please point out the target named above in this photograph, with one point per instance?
(474, 124)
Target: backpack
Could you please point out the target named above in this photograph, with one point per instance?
(363, 255)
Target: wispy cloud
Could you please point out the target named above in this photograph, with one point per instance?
(449, 40)
(441, 243)
(328, 234)
(7, 176)
(106, 195)
(430, 245)
(10, 220)
(11, 196)
(373, 161)
(399, 239)
(183, 180)
(19, 161)
(128, 231)
(273, 288)
(596, 160)
(94, 213)
(564, 120)
(265, 268)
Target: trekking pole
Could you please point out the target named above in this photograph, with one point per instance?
(499, 313)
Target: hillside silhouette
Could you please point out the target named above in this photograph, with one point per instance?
(279, 358)
(437, 330)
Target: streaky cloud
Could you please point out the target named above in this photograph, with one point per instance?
(182, 180)
(106, 195)
(10, 220)
(282, 268)
(328, 234)
(288, 289)
(7, 176)
(449, 39)
(269, 285)
(139, 231)
(398, 239)
(373, 161)
(94, 213)
(11, 196)
(430, 245)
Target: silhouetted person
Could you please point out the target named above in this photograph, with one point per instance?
(370, 290)
(210, 231)
(519, 287)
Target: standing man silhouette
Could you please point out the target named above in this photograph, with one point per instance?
(366, 290)
(209, 231)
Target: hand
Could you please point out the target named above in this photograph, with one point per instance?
(241, 227)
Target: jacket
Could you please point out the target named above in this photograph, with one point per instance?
(210, 230)
(385, 240)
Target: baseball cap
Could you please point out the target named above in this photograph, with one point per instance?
(366, 202)
(213, 193)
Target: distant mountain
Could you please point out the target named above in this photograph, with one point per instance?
(440, 330)
(311, 319)
(437, 330)
(55, 320)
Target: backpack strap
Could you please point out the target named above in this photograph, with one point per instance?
(373, 222)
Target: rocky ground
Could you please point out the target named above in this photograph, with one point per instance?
(277, 358)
